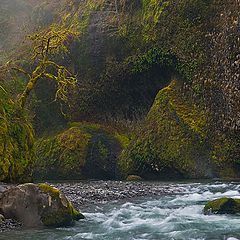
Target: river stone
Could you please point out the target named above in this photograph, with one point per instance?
(2, 218)
(38, 205)
(134, 178)
(223, 206)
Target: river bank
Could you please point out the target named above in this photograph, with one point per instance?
(83, 194)
(86, 193)
(174, 212)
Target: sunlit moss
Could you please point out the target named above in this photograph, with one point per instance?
(71, 153)
(223, 206)
(49, 189)
(65, 215)
(16, 140)
(173, 138)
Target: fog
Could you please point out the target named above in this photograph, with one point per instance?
(18, 18)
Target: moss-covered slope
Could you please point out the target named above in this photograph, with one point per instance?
(173, 142)
(127, 52)
(82, 151)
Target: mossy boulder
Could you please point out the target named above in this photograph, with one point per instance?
(82, 151)
(172, 142)
(62, 214)
(223, 206)
(134, 178)
(38, 205)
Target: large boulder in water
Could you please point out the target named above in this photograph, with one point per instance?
(223, 206)
(38, 205)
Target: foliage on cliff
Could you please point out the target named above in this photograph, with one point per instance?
(82, 151)
(172, 142)
(16, 139)
(125, 52)
(175, 142)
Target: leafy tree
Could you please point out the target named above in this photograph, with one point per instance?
(46, 45)
(16, 132)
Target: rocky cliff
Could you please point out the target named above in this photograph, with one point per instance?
(168, 71)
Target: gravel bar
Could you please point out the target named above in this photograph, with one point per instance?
(82, 194)
(87, 193)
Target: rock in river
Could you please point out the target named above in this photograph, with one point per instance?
(2, 218)
(223, 206)
(38, 205)
(134, 178)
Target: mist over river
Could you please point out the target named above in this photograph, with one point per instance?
(174, 215)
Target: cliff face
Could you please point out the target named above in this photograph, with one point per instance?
(225, 43)
(171, 65)
(154, 42)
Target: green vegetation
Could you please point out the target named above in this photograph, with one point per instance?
(49, 189)
(74, 152)
(16, 140)
(223, 206)
(62, 155)
(62, 217)
(172, 142)
(134, 178)
(115, 65)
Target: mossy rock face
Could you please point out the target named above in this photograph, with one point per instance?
(83, 151)
(172, 142)
(223, 206)
(38, 205)
(61, 212)
(134, 178)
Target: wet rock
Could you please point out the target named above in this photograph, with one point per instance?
(223, 206)
(2, 218)
(134, 178)
(38, 205)
(86, 193)
(9, 224)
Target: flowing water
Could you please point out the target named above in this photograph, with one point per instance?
(175, 216)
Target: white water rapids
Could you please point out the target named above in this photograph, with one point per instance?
(172, 217)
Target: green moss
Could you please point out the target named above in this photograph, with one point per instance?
(152, 11)
(49, 189)
(188, 113)
(103, 150)
(64, 217)
(123, 139)
(16, 140)
(71, 154)
(75, 213)
(62, 155)
(85, 126)
(61, 217)
(223, 206)
(134, 178)
(173, 138)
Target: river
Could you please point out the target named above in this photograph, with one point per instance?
(173, 216)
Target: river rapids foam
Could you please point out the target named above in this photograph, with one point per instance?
(172, 217)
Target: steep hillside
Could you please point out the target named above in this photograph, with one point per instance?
(166, 72)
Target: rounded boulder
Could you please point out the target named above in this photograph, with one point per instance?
(223, 206)
(38, 205)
